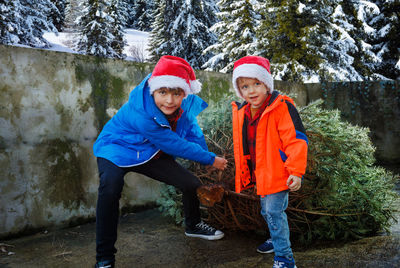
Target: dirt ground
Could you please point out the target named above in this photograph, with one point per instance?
(148, 239)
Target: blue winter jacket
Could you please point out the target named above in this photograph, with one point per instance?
(139, 130)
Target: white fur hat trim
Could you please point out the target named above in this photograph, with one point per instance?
(252, 71)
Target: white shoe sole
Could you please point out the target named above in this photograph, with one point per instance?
(207, 237)
(264, 252)
(293, 267)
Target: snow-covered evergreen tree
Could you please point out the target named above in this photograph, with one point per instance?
(10, 21)
(159, 36)
(191, 35)
(124, 12)
(329, 39)
(72, 12)
(118, 20)
(283, 38)
(179, 30)
(210, 9)
(355, 18)
(35, 14)
(95, 38)
(386, 42)
(100, 30)
(318, 40)
(142, 15)
(131, 13)
(236, 33)
(58, 17)
(318, 35)
(25, 21)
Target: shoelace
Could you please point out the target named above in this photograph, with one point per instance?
(278, 264)
(205, 226)
(268, 242)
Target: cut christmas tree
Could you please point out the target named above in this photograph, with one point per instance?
(343, 195)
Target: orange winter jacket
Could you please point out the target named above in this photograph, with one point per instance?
(281, 146)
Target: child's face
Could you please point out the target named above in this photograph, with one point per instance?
(168, 100)
(253, 91)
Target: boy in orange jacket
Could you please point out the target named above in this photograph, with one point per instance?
(270, 148)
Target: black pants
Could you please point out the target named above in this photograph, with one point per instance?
(164, 169)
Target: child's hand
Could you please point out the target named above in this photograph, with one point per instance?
(294, 183)
(220, 163)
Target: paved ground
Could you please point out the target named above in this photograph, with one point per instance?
(147, 239)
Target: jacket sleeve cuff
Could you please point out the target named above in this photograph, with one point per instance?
(212, 159)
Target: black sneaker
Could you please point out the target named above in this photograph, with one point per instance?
(203, 230)
(104, 264)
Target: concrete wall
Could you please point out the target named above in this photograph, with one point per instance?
(53, 105)
(375, 105)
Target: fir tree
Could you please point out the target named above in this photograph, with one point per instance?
(58, 17)
(356, 14)
(179, 30)
(221, 55)
(124, 13)
(319, 34)
(236, 33)
(10, 21)
(73, 11)
(282, 37)
(118, 43)
(25, 21)
(190, 35)
(100, 29)
(143, 15)
(209, 8)
(159, 35)
(35, 22)
(386, 42)
(344, 195)
(95, 38)
(330, 41)
(318, 40)
(131, 13)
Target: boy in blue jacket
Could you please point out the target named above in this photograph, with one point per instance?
(157, 124)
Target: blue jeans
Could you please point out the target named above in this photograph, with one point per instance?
(273, 208)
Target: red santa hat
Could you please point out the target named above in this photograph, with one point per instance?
(173, 72)
(252, 67)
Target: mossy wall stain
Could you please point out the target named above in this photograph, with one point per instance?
(64, 180)
(84, 104)
(11, 97)
(116, 94)
(140, 70)
(107, 90)
(66, 116)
